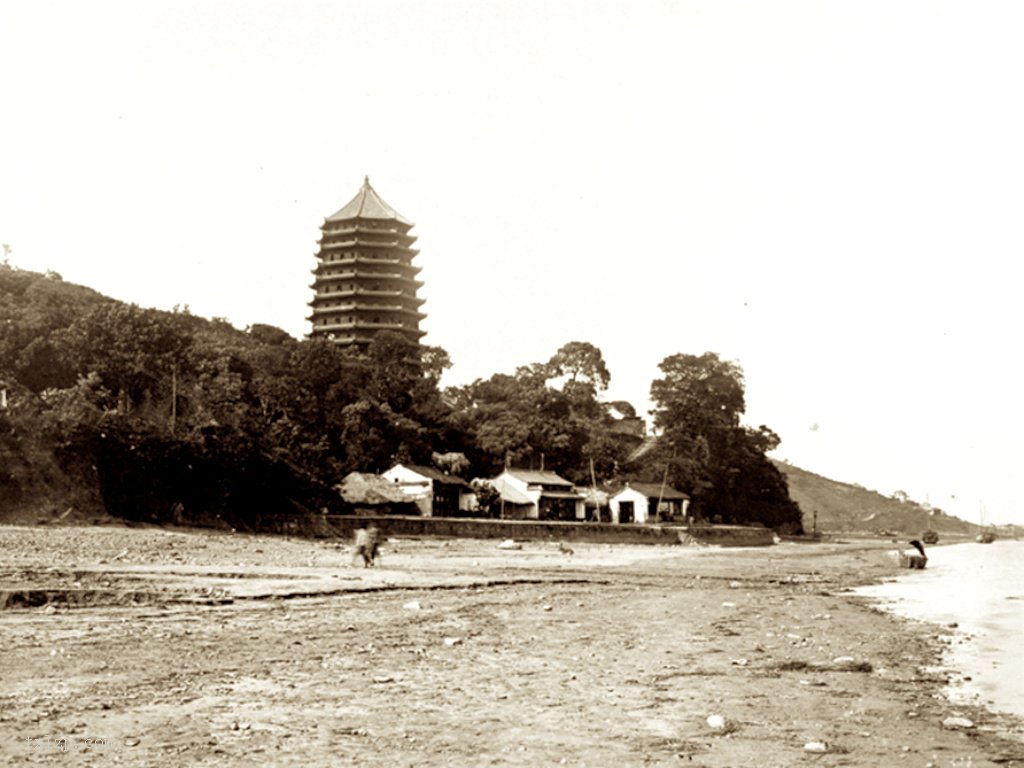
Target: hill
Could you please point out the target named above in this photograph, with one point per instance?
(108, 408)
(846, 507)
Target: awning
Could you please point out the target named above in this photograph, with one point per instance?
(509, 493)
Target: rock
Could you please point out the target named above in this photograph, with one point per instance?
(841, 660)
(957, 723)
(815, 746)
(413, 605)
(450, 641)
(509, 544)
(716, 722)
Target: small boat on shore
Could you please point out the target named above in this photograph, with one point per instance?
(909, 558)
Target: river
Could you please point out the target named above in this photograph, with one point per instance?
(979, 588)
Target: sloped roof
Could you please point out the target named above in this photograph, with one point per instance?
(436, 474)
(655, 490)
(643, 449)
(364, 488)
(367, 204)
(509, 492)
(539, 477)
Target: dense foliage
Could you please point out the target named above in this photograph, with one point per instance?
(543, 415)
(709, 453)
(164, 415)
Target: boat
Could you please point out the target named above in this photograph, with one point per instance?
(985, 535)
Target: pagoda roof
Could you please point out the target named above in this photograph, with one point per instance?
(367, 204)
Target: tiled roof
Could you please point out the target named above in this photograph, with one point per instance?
(436, 474)
(368, 205)
(539, 477)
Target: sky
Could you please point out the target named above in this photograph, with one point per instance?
(828, 194)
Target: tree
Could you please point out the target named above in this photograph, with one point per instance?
(526, 418)
(133, 350)
(701, 392)
(583, 363)
(708, 453)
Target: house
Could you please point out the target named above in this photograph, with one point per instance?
(538, 495)
(648, 503)
(436, 493)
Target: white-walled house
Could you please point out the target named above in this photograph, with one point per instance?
(435, 493)
(648, 503)
(538, 495)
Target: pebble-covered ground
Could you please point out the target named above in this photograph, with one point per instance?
(151, 647)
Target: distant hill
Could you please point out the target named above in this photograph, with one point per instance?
(852, 508)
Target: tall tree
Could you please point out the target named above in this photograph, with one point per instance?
(708, 452)
(545, 411)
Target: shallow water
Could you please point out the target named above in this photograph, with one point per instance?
(980, 588)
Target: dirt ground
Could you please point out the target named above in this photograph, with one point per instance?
(148, 647)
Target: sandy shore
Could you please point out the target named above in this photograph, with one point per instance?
(185, 648)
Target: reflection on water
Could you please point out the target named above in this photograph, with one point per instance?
(980, 588)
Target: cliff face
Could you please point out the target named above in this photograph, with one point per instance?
(847, 507)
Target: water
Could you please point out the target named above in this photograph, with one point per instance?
(980, 587)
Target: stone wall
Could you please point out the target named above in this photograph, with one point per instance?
(343, 526)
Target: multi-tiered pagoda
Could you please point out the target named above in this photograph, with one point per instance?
(365, 281)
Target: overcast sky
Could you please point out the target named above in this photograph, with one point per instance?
(829, 194)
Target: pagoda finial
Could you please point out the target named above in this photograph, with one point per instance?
(366, 181)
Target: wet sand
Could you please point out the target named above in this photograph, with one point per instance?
(181, 648)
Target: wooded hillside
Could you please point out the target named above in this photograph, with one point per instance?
(164, 416)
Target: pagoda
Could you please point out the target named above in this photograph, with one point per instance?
(364, 279)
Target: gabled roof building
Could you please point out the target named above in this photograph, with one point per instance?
(435, 493)
(648, 503)
(538, 495)
(365, 281)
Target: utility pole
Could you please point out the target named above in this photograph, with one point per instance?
(174, 395)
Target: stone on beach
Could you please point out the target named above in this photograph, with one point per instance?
(716, 722)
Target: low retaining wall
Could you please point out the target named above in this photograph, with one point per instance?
(343, 526)
(732, 535)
